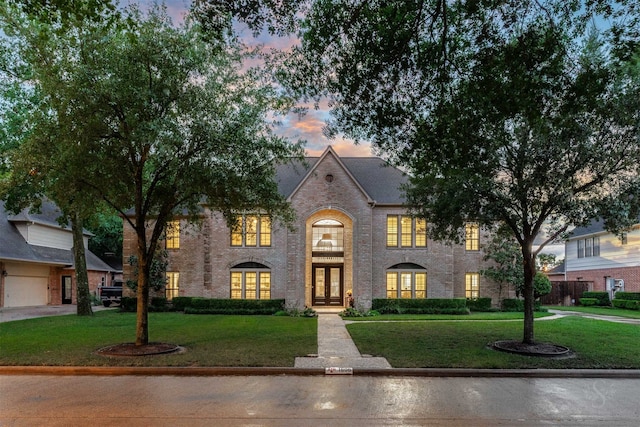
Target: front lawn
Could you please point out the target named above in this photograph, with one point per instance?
(210, 340)
(597, 344)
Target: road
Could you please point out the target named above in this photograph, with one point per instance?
(37, 400)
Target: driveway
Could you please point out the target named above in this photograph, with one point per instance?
(20, 313)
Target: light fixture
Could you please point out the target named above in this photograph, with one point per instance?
(325, 242)
(4, 273)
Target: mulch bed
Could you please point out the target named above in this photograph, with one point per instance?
(131, 349)
(536, 349)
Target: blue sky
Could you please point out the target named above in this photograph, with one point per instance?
(308, 127)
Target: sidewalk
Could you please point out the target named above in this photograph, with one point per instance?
(336, 348)
(616, 319)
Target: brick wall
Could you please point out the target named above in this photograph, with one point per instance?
(630, 275)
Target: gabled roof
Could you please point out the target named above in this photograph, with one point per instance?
(380, 182)
(594, 227)
(14, 247)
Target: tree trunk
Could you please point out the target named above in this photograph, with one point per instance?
(82, 278)
(529, 273)
(142, 308)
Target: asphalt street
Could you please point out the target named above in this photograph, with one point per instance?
(37, 400)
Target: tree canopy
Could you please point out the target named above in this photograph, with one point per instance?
(516, 113)
(155, 120)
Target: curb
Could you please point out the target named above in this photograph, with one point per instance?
(284, 371)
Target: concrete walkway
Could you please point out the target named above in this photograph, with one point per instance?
(336, 348)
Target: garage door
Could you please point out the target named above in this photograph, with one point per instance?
(23, 291)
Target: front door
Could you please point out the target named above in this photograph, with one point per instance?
(327, 285)
(66, 289)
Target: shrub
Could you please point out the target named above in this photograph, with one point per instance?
(601, 297)
(479, 304)
(179, 303)
(159, 304)
(517, 305)
(587, 302)
(233, 306)
(619, 303)
(628, 295)
(420, 306)
(541, 285)
(352, 312)
(129, 304)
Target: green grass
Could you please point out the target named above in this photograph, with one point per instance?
(596, 343)
(209, 340)
(472, 316)
(606, 311)
(213, 340)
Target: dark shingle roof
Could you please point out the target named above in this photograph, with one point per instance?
(595, 226)
(14, 247)
(381, 181)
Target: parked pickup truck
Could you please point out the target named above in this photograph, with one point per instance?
(111, 294)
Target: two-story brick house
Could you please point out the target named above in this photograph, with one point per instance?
(352, 235)
(611, 262)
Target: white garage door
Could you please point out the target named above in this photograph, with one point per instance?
(23, 291)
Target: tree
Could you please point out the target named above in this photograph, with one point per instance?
(506, 268)
(33, 118)
(503, 112)
(166, 122)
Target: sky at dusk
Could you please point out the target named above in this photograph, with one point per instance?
(308, 127)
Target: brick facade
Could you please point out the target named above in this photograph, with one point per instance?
(327, 191)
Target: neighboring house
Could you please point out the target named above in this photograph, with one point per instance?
(611, 262)
(352, 234)
(557, 273)
(36, 260)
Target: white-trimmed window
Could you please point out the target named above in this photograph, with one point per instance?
(250, 281)
(406, 281)
(172, 288)
(472, 285)
(589, 247)
(251, 231)
(406, 232)
(472, 236)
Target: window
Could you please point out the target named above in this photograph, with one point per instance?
(472, 236)
(251, 231)
(172, 235)
(172, 288)
(406, 281)
(250, 281)
(472, 285)
(406, 232)
(589, 247)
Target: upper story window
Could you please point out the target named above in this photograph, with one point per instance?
(589, 247)
(172, 235)
(327, 238)
(472, 236)
(406, 232)
(251, 231)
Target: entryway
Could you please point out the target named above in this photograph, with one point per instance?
(328, 285)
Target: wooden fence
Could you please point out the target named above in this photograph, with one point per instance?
(566, 293)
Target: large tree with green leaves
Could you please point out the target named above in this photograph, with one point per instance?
(29, 75)
(504, 112)
(165, 121)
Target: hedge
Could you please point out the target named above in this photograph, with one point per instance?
(517, 305)
(479, 304)
(588, 302)
(420, 306)
(193, 305)
(628, 295)
(601, 297)
(626, 304)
